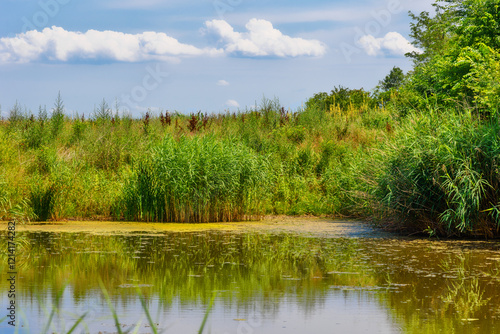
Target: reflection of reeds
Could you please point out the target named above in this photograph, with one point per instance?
(464, 292)
(466, 296)
(172, 262)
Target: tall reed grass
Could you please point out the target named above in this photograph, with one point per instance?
(435, 170)
(442, 173)
(196, 179)
(268, 160)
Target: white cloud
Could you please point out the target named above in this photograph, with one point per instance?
(232, 103)
(222, 83)
(262, 40)
(57, 44)
(393, 43)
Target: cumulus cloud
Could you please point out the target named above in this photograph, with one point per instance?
(393, 43)
(232, 103)
(57, 44)
(222, 83)
(262, 40)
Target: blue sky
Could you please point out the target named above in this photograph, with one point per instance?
(187, 55)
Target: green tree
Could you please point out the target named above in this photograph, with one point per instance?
(103, 112)
(459, 63)
(393, 80)
(342, 98)
(57, 117)
(430, 33)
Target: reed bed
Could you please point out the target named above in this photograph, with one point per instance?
(442, 174)
(168, 166)
(434, 171)
(196, 180)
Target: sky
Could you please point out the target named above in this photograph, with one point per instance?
(195, 55)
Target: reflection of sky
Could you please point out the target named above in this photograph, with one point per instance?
(337, 312)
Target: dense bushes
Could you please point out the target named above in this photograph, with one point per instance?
(458, 64)
(342, 99)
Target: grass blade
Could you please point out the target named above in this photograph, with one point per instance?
(205, 318)
(144, 306)
(110, 305)
(77, 323)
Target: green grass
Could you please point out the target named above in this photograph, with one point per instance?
(198, 179)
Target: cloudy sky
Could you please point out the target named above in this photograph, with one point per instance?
(190, 55)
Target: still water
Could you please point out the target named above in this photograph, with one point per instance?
(252, 282)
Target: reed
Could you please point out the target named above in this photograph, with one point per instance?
(41, 199)
(442, 174)
(195, 179)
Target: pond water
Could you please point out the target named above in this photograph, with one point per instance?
(253, 281)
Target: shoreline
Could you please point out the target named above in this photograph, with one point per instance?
(316, 226)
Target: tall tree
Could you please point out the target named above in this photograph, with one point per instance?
(461, 53)
(393, 80)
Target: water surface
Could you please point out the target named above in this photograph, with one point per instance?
(270, 280)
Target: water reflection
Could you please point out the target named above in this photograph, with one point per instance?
(264, 283)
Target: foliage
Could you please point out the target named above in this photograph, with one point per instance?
(57, 117)
(430, 32)
(387, 88)
(341, 99)
(103, 113)
(393, 80)
(41, 199)
(263, 161)
(459, 63)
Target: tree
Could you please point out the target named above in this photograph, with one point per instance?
(431, 34)
(341, 98)
(461, 46)
(393, 80)
(103, 112)
(57, 117)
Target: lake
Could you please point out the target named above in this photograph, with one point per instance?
(279, 276)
